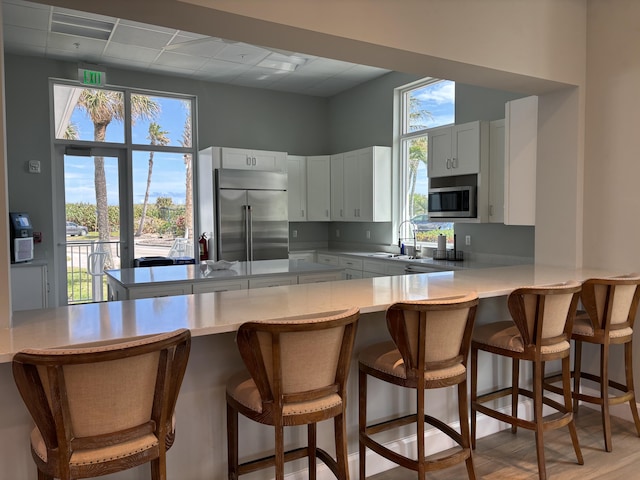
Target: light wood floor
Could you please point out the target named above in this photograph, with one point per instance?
(506, 456)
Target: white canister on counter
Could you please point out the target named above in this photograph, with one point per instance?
(442, 242)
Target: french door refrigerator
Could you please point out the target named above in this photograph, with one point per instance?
(251, 215)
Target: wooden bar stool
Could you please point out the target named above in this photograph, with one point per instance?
(611, 305)
(429, 350)
(542, 318)
(105, 407)
(296, 375)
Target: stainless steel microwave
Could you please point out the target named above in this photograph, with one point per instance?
(452, 202)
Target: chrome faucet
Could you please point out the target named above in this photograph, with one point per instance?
(414, 228)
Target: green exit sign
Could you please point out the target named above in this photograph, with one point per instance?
(94, 78)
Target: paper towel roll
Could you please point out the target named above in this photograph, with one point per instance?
(442, 242)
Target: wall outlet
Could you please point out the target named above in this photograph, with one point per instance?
(337, 233)
(294, 234)
(368, 234)
(467, 240)
(34, 166)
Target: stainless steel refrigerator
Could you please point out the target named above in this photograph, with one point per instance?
(251, 215)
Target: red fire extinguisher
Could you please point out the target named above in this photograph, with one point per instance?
(204, 249)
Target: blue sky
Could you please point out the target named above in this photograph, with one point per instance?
(168, 177)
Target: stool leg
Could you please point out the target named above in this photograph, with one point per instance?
(420, 430)
(232, 442)
(279, 458)
(628, 367)
(515, 385)
(604, 396)
(577, 364)
(311, 449)
(463, 412)
(538, 419)
(362, 421)
(566, 388)
(340, 429)
(474, 394)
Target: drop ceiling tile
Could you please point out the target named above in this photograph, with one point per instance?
(326, 66)
(131, 52)
(155, 28)
(181, 61)
(79, 45)
(140, 37)
(172, 69)
(123, 63)
(24, 36)
(25, 16)
(202, 47)
(76, 13)
(242, 53)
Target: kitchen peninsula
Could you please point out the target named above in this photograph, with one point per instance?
(199, 451)
(145, 282)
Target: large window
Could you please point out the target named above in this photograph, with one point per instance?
(125, 166)
(423, 105)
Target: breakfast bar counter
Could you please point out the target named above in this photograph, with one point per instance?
(200, 447)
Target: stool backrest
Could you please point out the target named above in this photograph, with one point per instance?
(299, 359)
(96, 395)
(544, 314)
(432, 334)
(611, 302)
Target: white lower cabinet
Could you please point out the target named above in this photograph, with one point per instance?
(373, 268)
(351, 274)
(319, 277)
(157, 291)
(29, 286)
(303, 256)
(326, 259)
(276, 281)
(220, 286)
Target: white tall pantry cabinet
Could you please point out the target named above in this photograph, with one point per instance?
(319, 188)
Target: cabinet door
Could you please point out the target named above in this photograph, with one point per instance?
(269, 161)
(220, 286)
(297, 188)
(319, 188)
(159, 291)
(521, 152)
(29, 287)
(465, 149)
(319, 277)
(263, 282)
(337, 187)
(325, 259)
(237, 158)
(243, 159)
(439, 152)
(496, 171)
(352, 185)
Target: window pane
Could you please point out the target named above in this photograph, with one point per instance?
(162, 210)
(88, 114)
(160, 121)
(430, 106)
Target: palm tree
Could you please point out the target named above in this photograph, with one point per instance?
(417, 148)
(156, 136)
(103, 107)
(188, 163)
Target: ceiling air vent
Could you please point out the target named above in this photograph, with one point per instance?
(81, 26)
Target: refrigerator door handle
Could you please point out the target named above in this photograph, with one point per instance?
(249, 230)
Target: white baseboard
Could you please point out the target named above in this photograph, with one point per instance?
(436, 441)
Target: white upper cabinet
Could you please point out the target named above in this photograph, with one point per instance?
(243, 159)
(520, 159)
(361, 180)
(297, 187)
(496, 171)
(337, 187)
(319, 188)
(456, 149)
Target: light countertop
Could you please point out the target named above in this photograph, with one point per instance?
(203, 272)
(221, 312)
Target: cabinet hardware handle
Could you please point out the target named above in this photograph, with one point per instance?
(454, 162)
(491, 210)
(448, 163)
(254, 161)
(248, 160)
(302, 211)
